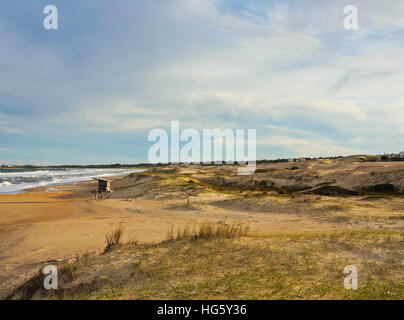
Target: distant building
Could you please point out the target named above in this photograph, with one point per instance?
(402, 154)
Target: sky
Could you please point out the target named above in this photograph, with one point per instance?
(91, 91)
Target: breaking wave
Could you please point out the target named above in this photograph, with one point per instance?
(17, 180)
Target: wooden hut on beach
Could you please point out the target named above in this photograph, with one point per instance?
(103, 185)
(103, 190)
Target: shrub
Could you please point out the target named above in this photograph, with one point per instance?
(114, 237)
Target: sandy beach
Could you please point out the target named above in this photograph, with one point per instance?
(39, 227)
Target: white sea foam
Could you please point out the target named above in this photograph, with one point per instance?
(15, 181)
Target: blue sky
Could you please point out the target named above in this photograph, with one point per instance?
(91, 91)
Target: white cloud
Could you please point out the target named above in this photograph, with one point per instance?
(315, 147)
(199, 62)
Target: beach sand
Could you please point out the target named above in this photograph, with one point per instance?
(41, 227)
(38, 228)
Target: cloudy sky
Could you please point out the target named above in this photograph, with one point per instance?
(91, 91)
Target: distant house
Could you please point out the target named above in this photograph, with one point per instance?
(402, 154)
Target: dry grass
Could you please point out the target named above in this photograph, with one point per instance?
(132, 240)
(113, 238)
(68, 271)
(280, 266)
(207, 230)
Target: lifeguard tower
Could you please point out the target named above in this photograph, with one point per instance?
(103, 190)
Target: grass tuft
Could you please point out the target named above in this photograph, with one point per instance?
(207, 231)
(132, 240)
(113, 238)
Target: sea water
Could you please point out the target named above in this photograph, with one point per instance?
(17, 180)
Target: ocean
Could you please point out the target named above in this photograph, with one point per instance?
(17, 180)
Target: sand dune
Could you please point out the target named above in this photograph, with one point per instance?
(38, 228)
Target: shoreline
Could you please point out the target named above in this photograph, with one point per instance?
(62, 184)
